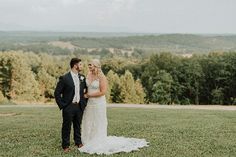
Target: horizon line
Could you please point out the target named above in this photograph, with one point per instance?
(119, 32)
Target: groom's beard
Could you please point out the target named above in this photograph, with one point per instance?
(78, 69)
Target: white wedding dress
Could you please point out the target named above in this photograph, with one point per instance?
(94, 129)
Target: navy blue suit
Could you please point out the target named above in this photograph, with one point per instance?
(71, 113)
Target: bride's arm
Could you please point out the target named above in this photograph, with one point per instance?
(103, 88)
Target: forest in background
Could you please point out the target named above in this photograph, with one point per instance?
(165, 69)
(163, 78)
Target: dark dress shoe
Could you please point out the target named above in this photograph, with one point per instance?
(79, 145)
(66, 150)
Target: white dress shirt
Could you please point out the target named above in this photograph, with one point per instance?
(76, 81)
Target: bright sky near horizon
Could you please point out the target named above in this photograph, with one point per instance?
(144, 16)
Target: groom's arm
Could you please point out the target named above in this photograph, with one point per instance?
(86, 91)
(58, 93)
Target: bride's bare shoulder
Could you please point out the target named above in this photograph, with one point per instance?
(102, 78)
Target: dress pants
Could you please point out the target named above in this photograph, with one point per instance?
(71, 114)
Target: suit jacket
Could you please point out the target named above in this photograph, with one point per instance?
(65, 91)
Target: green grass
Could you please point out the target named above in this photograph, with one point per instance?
(171, 133)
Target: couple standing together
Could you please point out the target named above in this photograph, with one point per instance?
(83, 104)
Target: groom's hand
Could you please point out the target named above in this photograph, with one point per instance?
(86, 95)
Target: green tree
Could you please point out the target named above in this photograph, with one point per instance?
(217, 71)
(128, 93)
(161, 91)
(24, 86)
(47, 84)
(21, 84)
(189, 76)
(218, 96)
(114, 87)
(5, 74)
(140, 94)
(2, 98)
(157, 62)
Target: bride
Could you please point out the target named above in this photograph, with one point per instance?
(94, 122)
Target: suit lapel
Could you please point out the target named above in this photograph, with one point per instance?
(79, 81)
(81, 86)
(71, 79)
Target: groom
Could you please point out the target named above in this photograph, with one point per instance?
(69, 95)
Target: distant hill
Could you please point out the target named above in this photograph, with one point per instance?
(21, 36)
(177, 43)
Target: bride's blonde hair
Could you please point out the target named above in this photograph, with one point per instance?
(98, 68)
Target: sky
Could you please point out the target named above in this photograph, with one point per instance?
(140, 16)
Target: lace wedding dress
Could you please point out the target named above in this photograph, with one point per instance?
(94, 129)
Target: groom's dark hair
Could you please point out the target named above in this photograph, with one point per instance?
(74, 61)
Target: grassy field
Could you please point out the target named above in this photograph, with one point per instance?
(172, 133)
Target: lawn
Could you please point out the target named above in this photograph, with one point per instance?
(35, 131)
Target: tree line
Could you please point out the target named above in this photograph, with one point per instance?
(30, 77)
(172, 79)
(164, 78)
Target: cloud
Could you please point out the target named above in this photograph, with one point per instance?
(115, 10)
(71, 2)
(117, 5)
(45, 6)
(138, 15)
